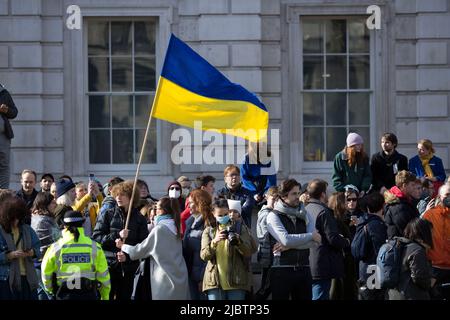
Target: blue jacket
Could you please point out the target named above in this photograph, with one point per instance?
(415, 166)
(4, 263)
(252, 179)
(192, 244)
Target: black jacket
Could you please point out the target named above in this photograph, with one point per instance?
(327, 259)
(5, 98)
(377, 230)
(397, 215)
(416, 272)
(107, 229)
(383, 168)
(29, 200)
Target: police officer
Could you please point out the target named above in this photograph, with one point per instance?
(8, 111)
(75, 267)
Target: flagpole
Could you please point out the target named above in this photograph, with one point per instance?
(130, 206)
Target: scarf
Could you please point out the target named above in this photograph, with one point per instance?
(426, 165)
(298, 212)
(15, 282)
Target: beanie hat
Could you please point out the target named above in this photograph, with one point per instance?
(234, 205)
(354, 138)
(62, 186)
(73, 217)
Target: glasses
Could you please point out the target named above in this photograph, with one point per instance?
(174, 188)
(352, 199)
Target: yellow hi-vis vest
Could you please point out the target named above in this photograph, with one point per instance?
(69, 259)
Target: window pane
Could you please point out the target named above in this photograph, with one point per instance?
(359, 72)
(359, 108)
(313, 144)
(336, 109)
(99, 146)
(123, 146)
(336, 36)
(99, 112)
(144, 37)
(121, 38)
(364, 132)
(143, 105)
(144, 74)
(312, 72)
(98, 74)
(336, 72)
(122, 111)
(122, 78)
(98, 38)
(358, 36)
(150, 148)
(313, 109)
(312, 37)
(335, 141)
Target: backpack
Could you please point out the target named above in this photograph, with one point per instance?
(361, 246)
(389, 263)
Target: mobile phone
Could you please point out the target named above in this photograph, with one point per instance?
(91, 177)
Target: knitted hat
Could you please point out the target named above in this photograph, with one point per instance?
(234, 205)
(62, 186)
(354, 138)
(73, 217)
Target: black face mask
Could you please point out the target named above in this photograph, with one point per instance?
(446, 202)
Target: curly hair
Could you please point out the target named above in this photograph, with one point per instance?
(126, 188)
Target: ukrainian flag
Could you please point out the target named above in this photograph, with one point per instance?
(190, 89)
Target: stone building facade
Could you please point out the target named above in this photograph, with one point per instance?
(318, 69)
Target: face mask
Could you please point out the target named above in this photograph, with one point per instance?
(223, 220)
(185, 192)
(446, 202)
(174, 194)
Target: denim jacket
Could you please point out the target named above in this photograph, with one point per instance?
(4, 263)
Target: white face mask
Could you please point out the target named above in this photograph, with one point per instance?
(174, 194)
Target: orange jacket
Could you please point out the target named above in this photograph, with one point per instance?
(440, 254)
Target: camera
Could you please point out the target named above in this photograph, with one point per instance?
(231, 235)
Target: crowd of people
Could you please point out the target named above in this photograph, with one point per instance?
(83, 240)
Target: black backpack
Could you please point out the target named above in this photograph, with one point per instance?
(361, 246)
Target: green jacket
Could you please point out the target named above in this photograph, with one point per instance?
(239, 258)
(358, 175)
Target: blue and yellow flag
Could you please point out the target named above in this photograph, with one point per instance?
(190, 89)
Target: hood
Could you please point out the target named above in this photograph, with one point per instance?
(172, 183)
(393, 195)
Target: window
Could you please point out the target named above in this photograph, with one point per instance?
(336, 88)
(121, 86)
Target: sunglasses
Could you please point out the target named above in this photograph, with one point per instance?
(174, 188)
(352, 199)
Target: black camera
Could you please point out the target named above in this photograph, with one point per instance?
(231, 235)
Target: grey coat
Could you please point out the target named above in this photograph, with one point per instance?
(168, 272)
(46, 229)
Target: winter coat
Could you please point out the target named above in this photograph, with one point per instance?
(358, 175)
(384, 169)
(5, 98)
(440, 254)
(399, 211)
(192, 244)
(239, 276)
(169, 276)
(107, 230)
(326, 259)
(415, 166)
(415, 275)
(46, 229)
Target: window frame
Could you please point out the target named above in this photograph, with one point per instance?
(381, 116)
(76, 113)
